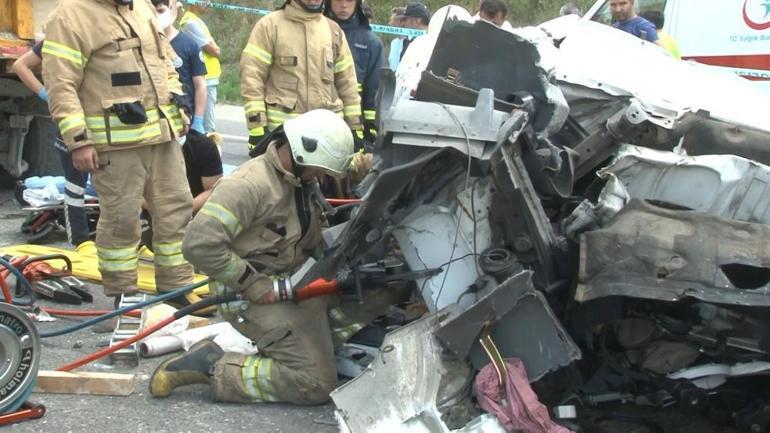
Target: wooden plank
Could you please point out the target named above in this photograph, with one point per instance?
(23, 22)
(197, 322)
(61, 382)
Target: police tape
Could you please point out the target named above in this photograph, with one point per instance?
(377, 28)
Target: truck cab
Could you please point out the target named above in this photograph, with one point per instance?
(26, 129)
(733, 36)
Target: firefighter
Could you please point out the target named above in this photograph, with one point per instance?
(259, 225)
(112, 90)
(297, 60)
(368, 55)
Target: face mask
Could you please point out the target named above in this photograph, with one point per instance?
(165, 19)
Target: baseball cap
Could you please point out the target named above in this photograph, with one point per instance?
(416, 10)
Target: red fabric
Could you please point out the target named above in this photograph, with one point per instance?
(514, 404)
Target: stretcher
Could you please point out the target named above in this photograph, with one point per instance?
(86, 266)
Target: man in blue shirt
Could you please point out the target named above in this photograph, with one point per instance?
(188, 61)
(202, 160)
(624, 18)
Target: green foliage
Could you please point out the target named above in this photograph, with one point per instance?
(231, 29)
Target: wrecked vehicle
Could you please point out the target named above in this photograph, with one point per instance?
(598, 212)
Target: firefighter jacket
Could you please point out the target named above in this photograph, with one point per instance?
(109, 75)
(297, 61)
(258, 223)
(368, 57)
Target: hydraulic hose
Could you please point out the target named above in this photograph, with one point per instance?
(164, 297)
(22, 280)
(212, 300)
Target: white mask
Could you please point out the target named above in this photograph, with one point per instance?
(165, 19)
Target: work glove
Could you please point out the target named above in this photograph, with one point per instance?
(182, 103)
(370, 130)
(232, 308)
(358, 139)
(255, 138)
(360, 165)
(197, 124)
(43, 94)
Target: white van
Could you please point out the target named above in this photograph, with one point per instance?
(733, 35)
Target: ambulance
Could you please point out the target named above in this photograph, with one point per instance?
(732, 35)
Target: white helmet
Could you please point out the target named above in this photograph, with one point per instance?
(320, 139)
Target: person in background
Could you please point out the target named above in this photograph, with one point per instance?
(505, 25)
(296, 60)
(397, 44)
(624, 18)
(493, 12)
(202, 160)
(368, 12)
(570, 8)
(415, 16)
(193, 25)
(188, 61)
(368, 55)
(76, 222)
(666, 41)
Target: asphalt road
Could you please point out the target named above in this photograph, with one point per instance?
(190, 409)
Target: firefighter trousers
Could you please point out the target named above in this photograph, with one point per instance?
(295, 362)
(157, 174)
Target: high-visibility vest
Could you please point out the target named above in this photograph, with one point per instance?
(213, 69)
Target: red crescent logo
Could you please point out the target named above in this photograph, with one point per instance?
(752, 24)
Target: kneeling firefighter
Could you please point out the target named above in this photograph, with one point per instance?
(259, 225)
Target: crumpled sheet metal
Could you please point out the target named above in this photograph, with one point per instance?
(542, 343)
(402, 388)
(722, 185)
(597, 56)
(649, 252)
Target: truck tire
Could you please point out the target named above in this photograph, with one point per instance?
(39, 152)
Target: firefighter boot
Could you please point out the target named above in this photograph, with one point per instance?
(192, 367)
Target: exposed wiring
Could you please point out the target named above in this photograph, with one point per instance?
(473, 213)
(164, 297)
(422, 287)
(467, 181)
(21, 280)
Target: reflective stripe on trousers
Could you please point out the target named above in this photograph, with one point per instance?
(256, 376)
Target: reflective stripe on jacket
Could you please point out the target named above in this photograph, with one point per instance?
(109, 76)
(296, 61)
(253, 216)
